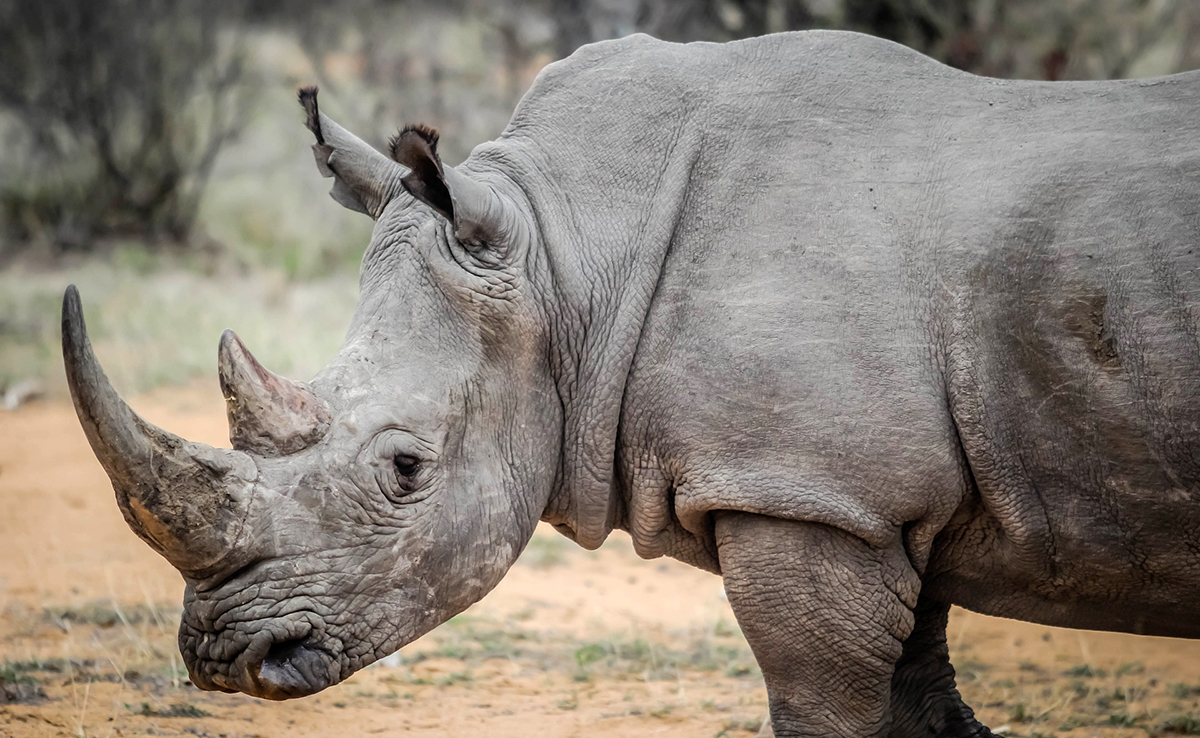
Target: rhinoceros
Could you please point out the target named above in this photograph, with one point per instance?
(865, 335)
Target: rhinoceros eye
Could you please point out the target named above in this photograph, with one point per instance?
(400, 465)
(407, 469)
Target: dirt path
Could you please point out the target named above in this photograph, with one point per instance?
(571, 643)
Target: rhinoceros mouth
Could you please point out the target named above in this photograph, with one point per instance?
(280, 663)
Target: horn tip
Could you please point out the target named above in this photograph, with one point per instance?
(71, 301)
(235, 363)
(74, 330)
(229, 350)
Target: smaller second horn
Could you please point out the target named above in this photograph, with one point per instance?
(268, 415)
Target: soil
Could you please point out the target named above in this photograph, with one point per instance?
(572, 643)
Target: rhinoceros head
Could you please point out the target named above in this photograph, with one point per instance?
(358, 511)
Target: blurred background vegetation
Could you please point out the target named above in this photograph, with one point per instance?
(154, 153)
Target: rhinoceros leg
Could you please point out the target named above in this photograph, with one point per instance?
(826, 615)
(925, 702)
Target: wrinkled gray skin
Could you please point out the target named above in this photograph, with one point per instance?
(866, 335)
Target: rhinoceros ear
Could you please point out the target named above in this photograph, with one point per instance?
(475, 210)
(364, 179)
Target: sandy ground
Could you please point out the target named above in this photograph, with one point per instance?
(571, 643)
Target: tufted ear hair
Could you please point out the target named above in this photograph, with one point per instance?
(477, 213)
(364, 179)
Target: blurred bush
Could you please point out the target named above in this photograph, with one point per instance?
(116, 111)
(1033, 39)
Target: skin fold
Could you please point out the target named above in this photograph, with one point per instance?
(866, 335)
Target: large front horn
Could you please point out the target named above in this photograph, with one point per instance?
(268, 415)
(187, 500)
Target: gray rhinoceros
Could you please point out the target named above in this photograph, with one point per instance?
(864, 334)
